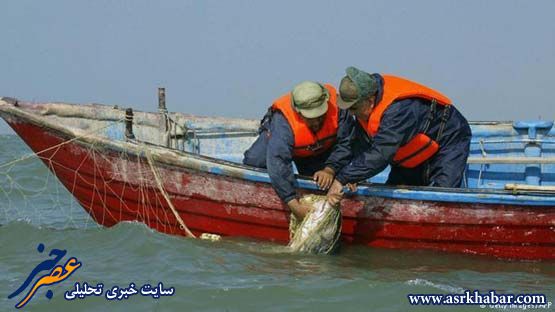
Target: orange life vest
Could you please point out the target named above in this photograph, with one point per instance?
(421, 147)
(307, 143)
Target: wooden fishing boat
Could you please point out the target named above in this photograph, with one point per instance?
(163, 168)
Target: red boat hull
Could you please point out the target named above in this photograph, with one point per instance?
(115, 186)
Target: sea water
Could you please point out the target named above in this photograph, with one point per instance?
(226, 275)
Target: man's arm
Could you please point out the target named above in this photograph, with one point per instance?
(398, 124)
(341, 152)
(279, 161)
(279, 158)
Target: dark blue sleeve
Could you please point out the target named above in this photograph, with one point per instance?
(341, 153)
(279, 158)
(398, 124)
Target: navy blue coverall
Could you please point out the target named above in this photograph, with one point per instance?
(400, 122)
(273, 149)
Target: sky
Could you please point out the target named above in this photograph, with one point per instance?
(495, 59)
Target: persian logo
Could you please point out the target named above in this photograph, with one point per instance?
(56, 274)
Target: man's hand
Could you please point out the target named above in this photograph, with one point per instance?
(352, 187)
(298, 209)
(335, 193)
(324, 178)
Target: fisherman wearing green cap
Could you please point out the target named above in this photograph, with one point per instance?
(414, 129)
(307, 128)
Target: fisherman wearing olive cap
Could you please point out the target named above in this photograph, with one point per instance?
(306, 127)
(414, 129)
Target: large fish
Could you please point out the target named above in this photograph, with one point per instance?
(319, 231)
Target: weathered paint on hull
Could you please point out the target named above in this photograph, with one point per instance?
(115, 186)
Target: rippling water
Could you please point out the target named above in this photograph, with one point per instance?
(230, 275)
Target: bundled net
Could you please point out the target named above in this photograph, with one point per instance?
(319, 231)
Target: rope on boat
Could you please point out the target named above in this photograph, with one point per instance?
(166, 196)
(57, 145)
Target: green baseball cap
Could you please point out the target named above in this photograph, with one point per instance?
(355, 86)
(310, 99)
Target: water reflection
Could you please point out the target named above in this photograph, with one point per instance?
(447, 272)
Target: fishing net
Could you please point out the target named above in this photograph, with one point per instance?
(31, 193)
(319, 231)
